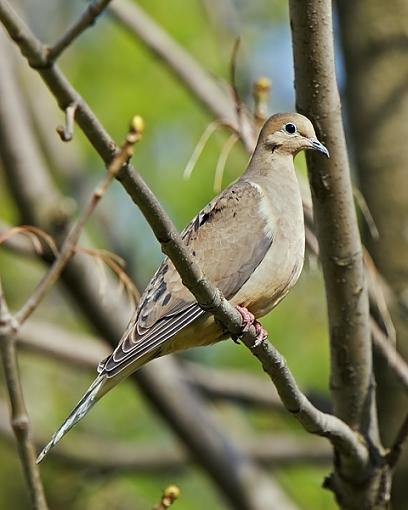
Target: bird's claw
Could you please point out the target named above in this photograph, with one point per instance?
(261, 333)
(248, 320)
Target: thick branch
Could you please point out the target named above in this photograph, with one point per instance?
(339, 239)
(340, 253)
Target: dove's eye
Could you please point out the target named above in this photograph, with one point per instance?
(290, 128)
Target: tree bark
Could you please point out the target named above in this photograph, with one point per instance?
(375, 41)
(355, 487)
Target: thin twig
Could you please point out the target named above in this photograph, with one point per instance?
(19, 418)
(87, 19)
(67, 132)
(68, 246)
(365, 211)
(396, 450)
(198, 149)
(233, 83)
(116, 264)
(378, 289)
(35, 234)
(222, 159)
(390, 355)
(169, 496)
(260, 92)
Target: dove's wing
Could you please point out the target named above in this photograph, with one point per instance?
(229, 238)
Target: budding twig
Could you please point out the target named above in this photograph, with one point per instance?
(66, 132)
(169, 496)
(260, 92)
(68, 246)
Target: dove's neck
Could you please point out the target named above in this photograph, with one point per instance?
(275, 175)
(271, 170)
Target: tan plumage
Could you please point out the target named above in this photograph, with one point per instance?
(249, 242)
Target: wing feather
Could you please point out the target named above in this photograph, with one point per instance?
(218, 239)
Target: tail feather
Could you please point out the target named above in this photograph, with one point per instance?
(84, 405)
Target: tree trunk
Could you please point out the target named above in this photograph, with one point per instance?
(375, 41)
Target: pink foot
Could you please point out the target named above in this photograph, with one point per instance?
(261, 334)
(248, 320)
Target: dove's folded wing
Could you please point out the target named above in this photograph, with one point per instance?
(229, 238)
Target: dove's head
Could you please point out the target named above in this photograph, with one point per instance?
(289, 133)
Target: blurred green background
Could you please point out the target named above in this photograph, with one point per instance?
(118, 77)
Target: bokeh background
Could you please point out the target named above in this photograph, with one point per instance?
(118, 77)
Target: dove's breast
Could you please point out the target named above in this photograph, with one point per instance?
(282, 264)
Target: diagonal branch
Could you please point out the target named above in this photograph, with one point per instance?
(70, 242)
(87, 19)
(218, 102)
(390, 355)
(396, 450)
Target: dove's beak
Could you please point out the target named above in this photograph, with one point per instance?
(318, 146)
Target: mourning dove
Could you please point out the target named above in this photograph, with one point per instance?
(249, 241)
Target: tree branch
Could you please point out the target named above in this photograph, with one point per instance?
(87, 19)
(19, 417)
(71, 240)
(339, 239)
(390, 355)
(396, 450)
(340, 250)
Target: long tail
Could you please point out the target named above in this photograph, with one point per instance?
(94, 393)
